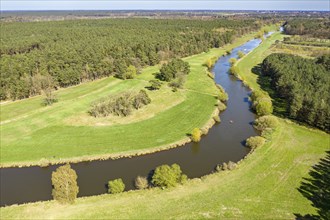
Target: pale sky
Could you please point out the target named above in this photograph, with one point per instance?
(319, 5)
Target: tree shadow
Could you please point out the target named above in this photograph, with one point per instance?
(317, 189)
(280, 104)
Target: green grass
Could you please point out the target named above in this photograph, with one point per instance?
(264, 186)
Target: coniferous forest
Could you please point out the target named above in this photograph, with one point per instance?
(303, 83)
(38, 56)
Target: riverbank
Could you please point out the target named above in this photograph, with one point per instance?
(33, 126)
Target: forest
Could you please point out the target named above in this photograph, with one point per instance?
(318, 27)
(38, 56)
(303, 84)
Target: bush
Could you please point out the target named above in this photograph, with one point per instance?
(264, 107)
(116, 186)
(178, 82)
(228, 52)
(196, 135)
(141, 99)
(222, 96)
(168, 176)
(221, 106)
(266, 122)
(225, 166)
(141, 182)
(240, 54)
(232, 61)
(254, 142)
(217, 119)
(233, 70)
(155, 84)
(64, 181)
(50, 97)
(262, 103)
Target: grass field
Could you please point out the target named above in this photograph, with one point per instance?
(264, 186)
(31, 132)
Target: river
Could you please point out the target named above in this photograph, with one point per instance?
(223, 143)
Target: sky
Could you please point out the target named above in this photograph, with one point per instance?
(318, 5)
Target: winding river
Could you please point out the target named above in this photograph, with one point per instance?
(223, 143)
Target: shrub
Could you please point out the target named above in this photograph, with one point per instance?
(232, 61)
(155, 84)
(178, 82)
(64, 181)
(196, 135)
(168, 176)
(262, 103)
(116, 186)
(217, 119)
(264, 107)
(50, 97)
(221, 106)
(225, 166)
(141, 99)
(266, 122)
(228, 52)
(210, 62)
(130, 72)
(141, 182)
(254, 142)
(222, 96)
(233, 70)
(240, 54)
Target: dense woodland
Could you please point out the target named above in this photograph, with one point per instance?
(36, 56)
(304, 84)
(317, 27)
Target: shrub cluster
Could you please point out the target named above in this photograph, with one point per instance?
(233, 70)
(225, 166)
(168, 176)
(262, 103)
(116, 186)
(240, 54)
(255, 142)
(120, 105)
(232, 61)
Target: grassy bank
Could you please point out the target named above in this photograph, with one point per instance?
(34, 134)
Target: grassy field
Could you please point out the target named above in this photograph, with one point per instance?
(31, 132)
(264, 186)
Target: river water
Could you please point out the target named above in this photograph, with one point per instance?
(223, 143)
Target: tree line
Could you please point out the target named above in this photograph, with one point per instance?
(313, 27)
(304, 84)
(36, 56)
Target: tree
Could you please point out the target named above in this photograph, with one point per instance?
(233, 70)
(141, 182)
(64, 181)
(173, 69)
(116, 186)
(168, 176)
(196, 135)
